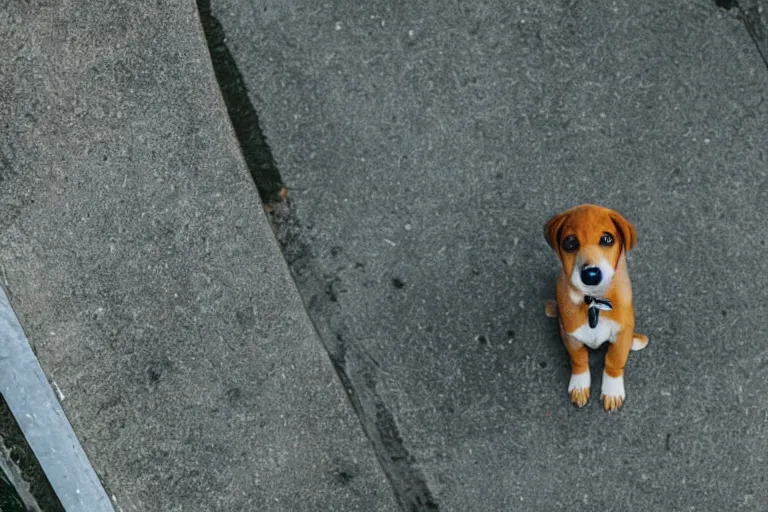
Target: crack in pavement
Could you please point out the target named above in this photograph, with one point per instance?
(377, 421)
(754, 18)
(398, 464)
(753, 21)
(253, 144)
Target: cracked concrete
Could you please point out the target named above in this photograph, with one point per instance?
(754, 13)
(245, 121)
(142, 267)
(424, 145)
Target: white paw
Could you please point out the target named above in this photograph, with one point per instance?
(613, 392)
(578, 388)
(579, 381)
(613, 386)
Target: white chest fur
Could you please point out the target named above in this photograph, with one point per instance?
(605, 330)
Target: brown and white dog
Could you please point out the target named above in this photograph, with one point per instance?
(594, 296)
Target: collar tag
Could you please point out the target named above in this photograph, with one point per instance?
(595, 305)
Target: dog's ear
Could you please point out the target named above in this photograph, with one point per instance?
(627, 230)
(552, 230)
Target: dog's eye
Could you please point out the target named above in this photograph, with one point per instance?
(606, 240)
(570, 243)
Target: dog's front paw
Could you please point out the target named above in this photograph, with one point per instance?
(612, 402)
(578, 388)
(613, 392)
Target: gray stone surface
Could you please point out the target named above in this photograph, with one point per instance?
(754, 13)
(426, 143)
(137, 255)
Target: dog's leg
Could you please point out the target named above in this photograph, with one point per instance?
(613, 376)
(578, 387)
(639, 341)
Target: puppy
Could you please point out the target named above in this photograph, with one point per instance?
(594, 296)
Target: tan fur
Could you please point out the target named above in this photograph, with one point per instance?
(588, 223)
(579, 397)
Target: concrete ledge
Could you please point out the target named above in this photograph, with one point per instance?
(39, 415)
(144, 272)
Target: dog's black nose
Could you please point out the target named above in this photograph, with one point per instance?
(591, 276)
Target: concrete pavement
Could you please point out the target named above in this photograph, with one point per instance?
(137, 256)
(424, 146)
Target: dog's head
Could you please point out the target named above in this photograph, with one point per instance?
(589, 241)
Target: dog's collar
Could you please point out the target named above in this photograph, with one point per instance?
(594, 305)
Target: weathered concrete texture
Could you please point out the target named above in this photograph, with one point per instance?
(136, 253)
(755, 16)
(426, 143)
